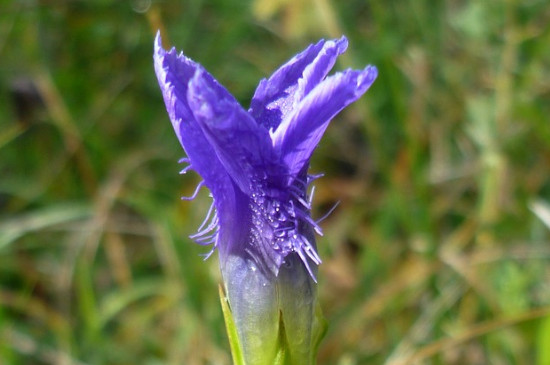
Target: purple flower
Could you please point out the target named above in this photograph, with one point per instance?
(255, 164)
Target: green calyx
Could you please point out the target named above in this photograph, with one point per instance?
(295, 344)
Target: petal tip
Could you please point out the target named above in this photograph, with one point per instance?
(342, 44)
(158, 43)
(367, 77)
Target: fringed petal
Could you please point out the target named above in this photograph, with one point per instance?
(174, 73)
(242, 146)
(277, 96)
(299, 134)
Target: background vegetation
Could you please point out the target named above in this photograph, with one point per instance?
(438, 254)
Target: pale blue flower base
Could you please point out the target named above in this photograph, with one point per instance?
(271, 320)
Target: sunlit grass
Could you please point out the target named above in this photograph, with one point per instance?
(438, 253)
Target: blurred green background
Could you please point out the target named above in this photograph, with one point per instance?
(438, 253)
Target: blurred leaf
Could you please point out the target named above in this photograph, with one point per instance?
(40, 219)
(543, 342)
(472, 19)
(115, 302)
(542, 210)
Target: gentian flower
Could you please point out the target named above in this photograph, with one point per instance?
(255, 163)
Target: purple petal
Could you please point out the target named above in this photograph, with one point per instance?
(276, 97)
(298, 135)
(174, 72)
(242, 146)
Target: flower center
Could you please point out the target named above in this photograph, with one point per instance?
(278, 222)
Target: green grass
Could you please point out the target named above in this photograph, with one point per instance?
(439, 252)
